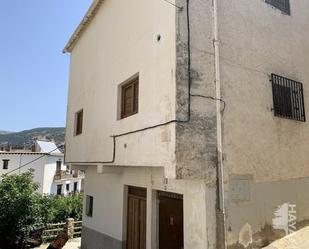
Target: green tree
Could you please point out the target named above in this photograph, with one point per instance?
(20, 209)
(57, 209)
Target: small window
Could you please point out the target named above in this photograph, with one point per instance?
(59, 189)
(5, 163)
(288, 98)
(58, 169)
(79, 123)
(75, 187)
(283, 5)
(129, 98)
(67, 187)
(89, 206)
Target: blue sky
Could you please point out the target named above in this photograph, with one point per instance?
(33, 70)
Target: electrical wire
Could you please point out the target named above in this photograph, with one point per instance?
(165, 123)
(178, 7)
(210, 97)
(34, 160)
(188, 119)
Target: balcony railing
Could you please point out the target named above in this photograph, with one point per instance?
(68, 174)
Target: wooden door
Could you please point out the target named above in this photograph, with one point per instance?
(136, 221)
(170, 221)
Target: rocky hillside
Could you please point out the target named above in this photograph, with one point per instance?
(4, 132)
(25, 139)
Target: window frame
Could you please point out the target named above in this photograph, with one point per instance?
(286, 9)
(67, 187)
(134, 83)
(89, 206)
(5, 164)
(75, 187)
(78, 122)
(58, 166)
(59, 186)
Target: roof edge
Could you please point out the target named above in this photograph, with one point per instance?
(30, 153)
(92, 11)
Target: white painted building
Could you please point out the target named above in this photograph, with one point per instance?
(47, 161)
(188, 117)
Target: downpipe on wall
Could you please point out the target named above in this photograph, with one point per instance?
(221, 230)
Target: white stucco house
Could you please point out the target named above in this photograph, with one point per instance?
(47, 161)
(188, 117)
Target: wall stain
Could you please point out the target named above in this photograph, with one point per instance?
(266, 236)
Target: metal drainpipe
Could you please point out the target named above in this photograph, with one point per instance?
(216, 42)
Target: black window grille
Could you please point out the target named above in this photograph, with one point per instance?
(288, 98)
(283, 5)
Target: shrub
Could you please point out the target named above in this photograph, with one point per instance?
(22, 209)
(57, 209)
(19, 208)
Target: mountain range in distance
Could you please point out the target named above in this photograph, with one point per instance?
(4, 132)
(25, 139)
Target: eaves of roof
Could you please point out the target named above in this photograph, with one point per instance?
(22, 153)
(92, 11)
(30, 153)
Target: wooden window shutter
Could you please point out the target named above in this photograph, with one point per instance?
(135, 104)
(58, 167)
(129, 98)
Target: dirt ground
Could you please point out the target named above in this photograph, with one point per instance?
(72, 244)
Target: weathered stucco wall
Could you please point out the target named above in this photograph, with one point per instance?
(196, 152)
(109, 213)
(265, 157)
(120, 42)
(196, 138)
(259, 211)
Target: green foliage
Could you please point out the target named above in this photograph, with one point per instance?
(58, 208)
(22, 209)
(19, 206)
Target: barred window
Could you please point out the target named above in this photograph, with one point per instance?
(283, 5)
(288, 98)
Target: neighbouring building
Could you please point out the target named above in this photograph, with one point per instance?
(188, 118)
(47, 161)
